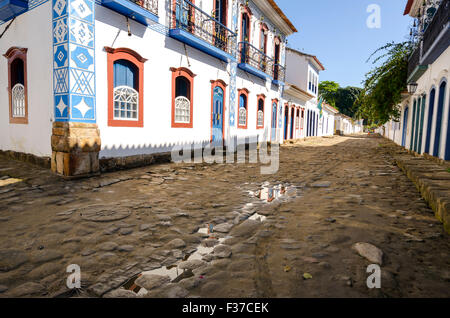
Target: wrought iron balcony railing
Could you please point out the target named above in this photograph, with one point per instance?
(414, 60)
(279, 73)
(149, 5)
(188, 17)
(440, 20)
(431, 43)
(248, 54)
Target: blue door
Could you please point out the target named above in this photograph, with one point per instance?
(286, 122)
(405, 126)
(274, 121)
(440, 111)
(422, 115)
(430, 120)
(411, 146)
(217, 115)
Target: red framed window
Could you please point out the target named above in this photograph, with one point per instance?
(264, 31)
(246, 24)
(17, 85)
(243, 108)
(125, 88)
(260, 111)
(182, 98)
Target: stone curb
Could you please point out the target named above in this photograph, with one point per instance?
(434, 187)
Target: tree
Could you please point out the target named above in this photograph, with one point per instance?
(384, 84)
(328, 90)
(341, 98)
(346, 98)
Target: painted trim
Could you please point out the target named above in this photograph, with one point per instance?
(263, 98)
(177, 72)
(11, 55)
(275, 100)
(133, 57)
(218, 83)
(246, 92)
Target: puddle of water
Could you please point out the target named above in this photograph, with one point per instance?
(172, 271)
(258, 217)
(9, 181)
(270, 193)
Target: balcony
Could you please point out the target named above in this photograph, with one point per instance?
(256, 62)
(434, 42)
(143, 11)
(279, 74)
(12, 8)
(192, 26)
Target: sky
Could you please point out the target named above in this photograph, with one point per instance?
(336, 32)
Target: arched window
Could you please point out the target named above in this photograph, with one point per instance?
(260, 112)
(125, 88)
(126, 94)
(182, 98)
(243, 108)
(17, 88)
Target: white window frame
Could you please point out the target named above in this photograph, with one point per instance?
(182, 110)
(131, 99)
(18, 101)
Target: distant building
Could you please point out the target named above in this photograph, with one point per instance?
(301, 115)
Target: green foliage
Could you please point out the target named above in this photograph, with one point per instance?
(345, 100)
(341, 98)
(378, 102)
(328, 90)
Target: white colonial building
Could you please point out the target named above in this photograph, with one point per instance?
(304, 115)
(424, 121)
(86, 80)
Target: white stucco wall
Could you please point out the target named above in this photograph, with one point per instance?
(432, 78)
(162, 53)
(35, 136)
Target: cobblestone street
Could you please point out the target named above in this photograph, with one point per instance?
(333, 193)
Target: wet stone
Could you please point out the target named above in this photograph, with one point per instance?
(210, 242)
(223, 228)
(3, 288)
(149, 281)
(222, 251)
(191, 265)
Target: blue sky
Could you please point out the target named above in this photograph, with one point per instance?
(336, 32)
